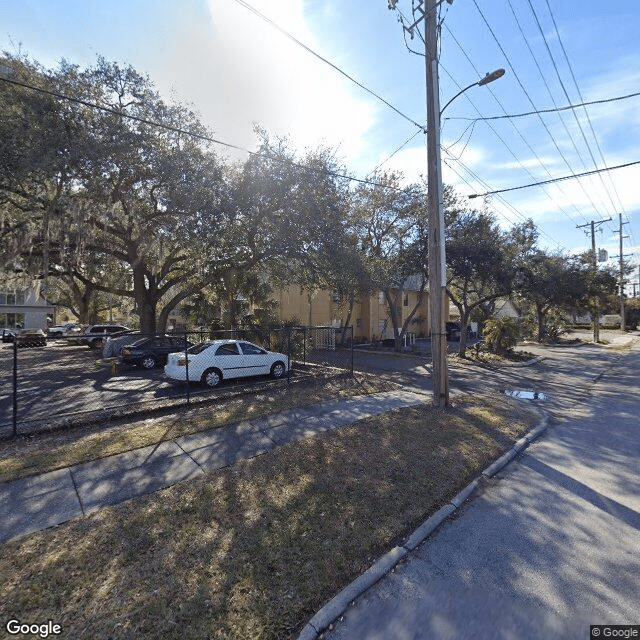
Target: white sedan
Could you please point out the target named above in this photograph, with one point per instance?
(216, 360)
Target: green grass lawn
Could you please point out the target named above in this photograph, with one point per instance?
(252, 551)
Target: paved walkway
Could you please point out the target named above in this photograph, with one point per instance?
(51, 498)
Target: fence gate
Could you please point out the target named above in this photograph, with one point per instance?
(325, 338)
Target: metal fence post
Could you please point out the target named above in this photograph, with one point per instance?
(288, 356)
(186, 357)
(15, 387)
(352, 350)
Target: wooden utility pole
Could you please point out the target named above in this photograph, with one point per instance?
(623, 324)
(437, 258)
(596, 317)
(425, 10)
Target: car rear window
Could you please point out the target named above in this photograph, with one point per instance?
(251, 349)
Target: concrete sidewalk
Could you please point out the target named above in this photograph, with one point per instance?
(51, 498)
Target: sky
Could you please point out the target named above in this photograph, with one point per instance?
(237, 70)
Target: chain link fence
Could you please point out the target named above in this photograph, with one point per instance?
(63, 384)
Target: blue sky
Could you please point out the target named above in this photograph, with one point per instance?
(237, 71)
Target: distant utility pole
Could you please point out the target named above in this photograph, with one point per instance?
(623, 324)
(596, 317)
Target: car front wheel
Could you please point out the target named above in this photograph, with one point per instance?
(277, 370)
(149, 362)
(212, 377)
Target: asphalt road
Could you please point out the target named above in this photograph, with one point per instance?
(552, 544)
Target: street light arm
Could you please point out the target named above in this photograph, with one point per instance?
(457, 94)
(490, 77)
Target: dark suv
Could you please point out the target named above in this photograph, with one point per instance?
(454, 329)
(95, 334)
(152, 351)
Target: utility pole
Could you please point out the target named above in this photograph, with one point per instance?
(425, 10)
(596, 317)
(623, 324)
(437, 258)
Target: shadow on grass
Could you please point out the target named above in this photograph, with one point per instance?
(253, 550)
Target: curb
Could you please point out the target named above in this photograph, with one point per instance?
(331, 611)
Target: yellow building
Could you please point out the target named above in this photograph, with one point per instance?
(370, 318)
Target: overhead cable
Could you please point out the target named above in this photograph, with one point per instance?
(536, 184)
(291, 37)
(534, 113)
(526, 93)
(193, 134)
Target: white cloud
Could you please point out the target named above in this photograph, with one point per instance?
(241, 71)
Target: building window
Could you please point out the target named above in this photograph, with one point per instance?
(12, 297)
(406, 301)
(12, 320)
(381, 297)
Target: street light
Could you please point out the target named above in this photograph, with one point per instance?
(490, 77)
(436, 239)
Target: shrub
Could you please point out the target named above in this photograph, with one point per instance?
(500, 334)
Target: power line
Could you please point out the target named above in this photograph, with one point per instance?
(526, 93)
(402, 146)
(516, 129)
(546, 84)
(291, 37)
(193, 134)
(575, 82)
(536, 184)
(575, 115)
(505, 203)
(403, 19)
(533, 113)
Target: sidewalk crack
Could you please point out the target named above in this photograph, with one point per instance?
(75, 486)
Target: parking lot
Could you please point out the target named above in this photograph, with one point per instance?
(62, 380)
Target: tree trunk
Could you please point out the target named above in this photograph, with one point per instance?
(464, 323)
(352, 300)
(541, 327)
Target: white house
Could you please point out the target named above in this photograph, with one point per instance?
(23, 307)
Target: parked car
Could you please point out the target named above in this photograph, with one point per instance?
(113, 344)
(215, 360)
(94, 335)
(60, 330)
(152, 351)
(8, 335)
(454, 329)
(31, 338)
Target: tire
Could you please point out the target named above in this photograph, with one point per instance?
(148, 362)
(277, 370)
(212, 377)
